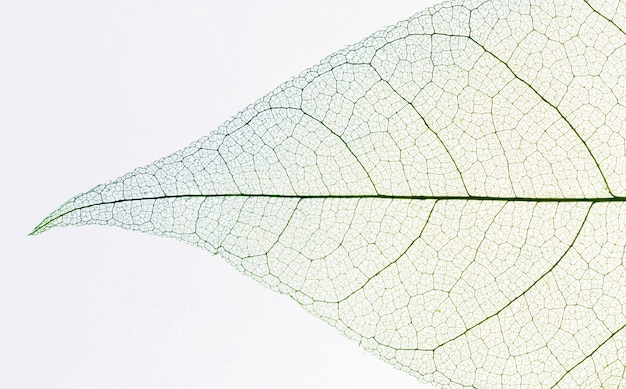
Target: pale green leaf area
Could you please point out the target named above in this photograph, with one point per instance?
(90, 89)
(449, 193)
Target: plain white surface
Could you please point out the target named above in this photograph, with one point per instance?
(89, 91)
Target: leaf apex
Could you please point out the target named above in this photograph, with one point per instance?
(54, 219)
(43, 226)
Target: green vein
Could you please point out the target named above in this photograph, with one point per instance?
(613, 199)
(604, 17)
(608, 187)
(582, 224)
(589, 355)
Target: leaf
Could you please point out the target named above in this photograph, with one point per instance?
(449, 192)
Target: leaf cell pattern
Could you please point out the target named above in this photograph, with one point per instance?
(449, 192)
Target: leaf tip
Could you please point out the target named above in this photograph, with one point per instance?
(42, 227)
(54, 219)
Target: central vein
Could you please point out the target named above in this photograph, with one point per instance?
(389, 197)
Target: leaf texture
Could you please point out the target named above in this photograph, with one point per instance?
(449, 192)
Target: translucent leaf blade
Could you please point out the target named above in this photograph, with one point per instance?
(444, 192)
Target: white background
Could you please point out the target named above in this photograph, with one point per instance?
(90, 90)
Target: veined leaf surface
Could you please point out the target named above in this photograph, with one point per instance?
(449, 192)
